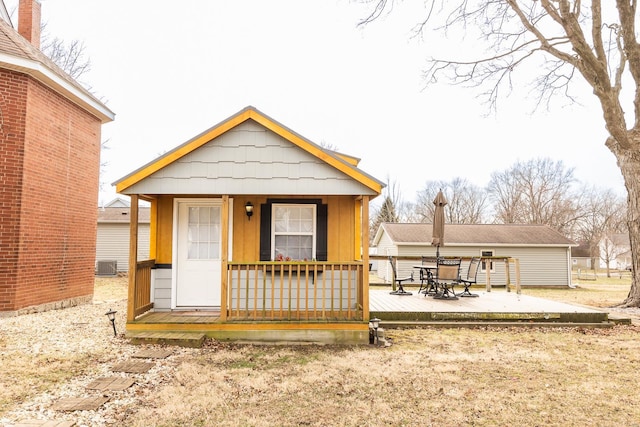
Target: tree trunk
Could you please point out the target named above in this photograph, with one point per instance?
(629, 163)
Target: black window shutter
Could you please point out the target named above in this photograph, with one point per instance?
(265, 232)
(322, 225)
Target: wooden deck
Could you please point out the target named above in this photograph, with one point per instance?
(494, 306)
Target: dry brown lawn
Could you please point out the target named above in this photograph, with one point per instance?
(439, 377)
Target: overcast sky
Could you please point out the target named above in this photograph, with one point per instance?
(170, 70)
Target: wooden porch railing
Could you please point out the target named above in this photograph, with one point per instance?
(311, 291)
(142, 287)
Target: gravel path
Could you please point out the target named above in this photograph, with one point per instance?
(82, 333)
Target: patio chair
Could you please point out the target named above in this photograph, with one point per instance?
(427, 283)
(398, 280)
(470, 278)
(447, 276)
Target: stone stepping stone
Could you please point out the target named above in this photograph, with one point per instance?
(80, 403)
(153, 354)
(111, 384)
(133, 366)
(43, 423)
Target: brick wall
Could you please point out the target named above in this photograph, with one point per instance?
(13, 95)
(57, 202)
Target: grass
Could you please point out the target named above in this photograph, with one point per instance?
(450, 377)
(428, 377)
(602, 292)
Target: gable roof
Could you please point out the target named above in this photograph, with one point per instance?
(17, 54)
(620, 239)
(118, 202)
(581, 251)
(474, 234)
(343, 163)
(120, 215)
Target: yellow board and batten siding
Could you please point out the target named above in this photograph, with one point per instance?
(343, 242)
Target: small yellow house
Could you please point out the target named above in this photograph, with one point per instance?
(256, 234)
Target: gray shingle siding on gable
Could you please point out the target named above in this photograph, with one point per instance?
(249, 159)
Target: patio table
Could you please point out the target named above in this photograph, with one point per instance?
(427, 278)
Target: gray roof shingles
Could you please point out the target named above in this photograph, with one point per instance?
(121, 215)
(478, 234)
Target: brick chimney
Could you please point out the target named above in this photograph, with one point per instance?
(29, 21)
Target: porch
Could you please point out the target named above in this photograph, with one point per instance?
(320, 302)
(490, 308)
(307, 302)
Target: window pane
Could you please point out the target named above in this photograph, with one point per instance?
(306, 225)
(294, 220)
(203, 253)
(204, 215)
(193, 250)
(281, 219)
(215, 233)
(193, 215)
(294, 247)
(280, 247)
(214, 251)
(193, 233)
(203, 232)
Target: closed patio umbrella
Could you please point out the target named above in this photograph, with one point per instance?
(437, 235)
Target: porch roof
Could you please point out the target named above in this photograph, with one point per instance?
(345, 164)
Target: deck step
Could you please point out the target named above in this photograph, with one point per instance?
(398, 324)
(180, 339)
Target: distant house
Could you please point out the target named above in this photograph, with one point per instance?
(543, 253)
(50, 131)
(112, 242)
(581, 256)
(615, 250)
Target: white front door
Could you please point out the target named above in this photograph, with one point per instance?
(197, 254)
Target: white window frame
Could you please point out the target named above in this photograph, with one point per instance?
(313, 233)
(483, 264)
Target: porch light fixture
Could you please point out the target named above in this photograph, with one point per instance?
(111, 314)
(249, 209)
(375, 323)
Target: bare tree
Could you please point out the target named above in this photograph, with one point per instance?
(537, 191)
(602, 212)
(610, 249)
(563, 43)
(466, 203)
(70, 56)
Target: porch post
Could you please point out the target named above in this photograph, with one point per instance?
(224, 257)
(507, 273)
(133, 257)
(365, 257)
